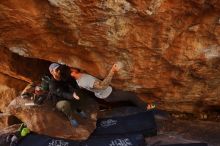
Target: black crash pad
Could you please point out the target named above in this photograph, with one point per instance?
(125, 140)
(42, 140)
(190, 144)
(142, 123)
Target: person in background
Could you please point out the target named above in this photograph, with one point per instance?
(103, 90)
(37, 92)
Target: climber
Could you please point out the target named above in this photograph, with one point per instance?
(103, 90)
(23, 131)
(63, 91)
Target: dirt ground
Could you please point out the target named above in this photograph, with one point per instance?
(172, 131)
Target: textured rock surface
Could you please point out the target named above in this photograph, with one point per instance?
(7, 120)
(3, 121)
(9, 89)
(170, 48)
(44, 120)
(26, 69)
(9, 130)
(173, 131)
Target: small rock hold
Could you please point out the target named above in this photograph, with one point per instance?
(203, 116)
(194, 28)
(149, 12)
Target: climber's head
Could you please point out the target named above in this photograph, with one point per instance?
(55, 71)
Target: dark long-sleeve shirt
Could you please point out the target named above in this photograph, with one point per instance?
(61, 90)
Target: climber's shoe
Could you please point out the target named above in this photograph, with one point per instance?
(74, 123)
(83, 114)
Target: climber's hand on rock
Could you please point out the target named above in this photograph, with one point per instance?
(115, 68)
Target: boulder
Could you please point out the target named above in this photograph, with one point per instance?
(44, 119)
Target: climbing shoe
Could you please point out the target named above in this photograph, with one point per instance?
(74, 123)
(81, 113)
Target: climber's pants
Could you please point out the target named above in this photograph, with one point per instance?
(65, 107)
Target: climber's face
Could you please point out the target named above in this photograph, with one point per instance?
(56, 74)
